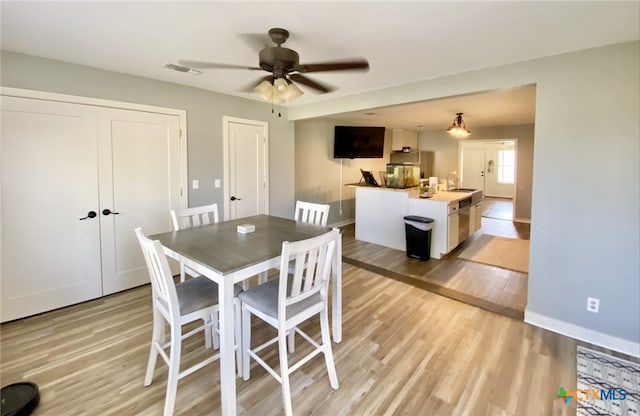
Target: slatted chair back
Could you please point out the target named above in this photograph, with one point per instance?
(162, 285)
(304, 271)
(194, 217)
(312, 213)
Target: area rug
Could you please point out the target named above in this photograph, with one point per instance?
(606, 385)
(508, 253)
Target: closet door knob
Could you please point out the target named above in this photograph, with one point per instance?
(90, 214)
(107, 211)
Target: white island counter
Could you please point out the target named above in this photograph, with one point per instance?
(380, 216)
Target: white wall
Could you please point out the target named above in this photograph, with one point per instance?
(205, 110)
(586, 193)
(318, 173)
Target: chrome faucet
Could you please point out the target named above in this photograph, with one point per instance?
(453, 182)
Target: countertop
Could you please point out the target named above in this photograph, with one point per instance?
(443, 196)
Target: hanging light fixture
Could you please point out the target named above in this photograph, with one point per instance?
(458, 128)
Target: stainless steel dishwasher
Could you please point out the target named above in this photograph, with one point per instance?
(463, 225)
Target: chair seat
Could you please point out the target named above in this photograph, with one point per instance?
(199, 293)
(264, 297)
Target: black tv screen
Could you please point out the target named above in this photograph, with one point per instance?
(357, 142)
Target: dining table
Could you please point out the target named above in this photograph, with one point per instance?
(224, 254)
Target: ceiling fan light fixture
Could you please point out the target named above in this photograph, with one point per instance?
(458, 127)
(280, 84)
(281, 91)
(265, 89)
(291, 92)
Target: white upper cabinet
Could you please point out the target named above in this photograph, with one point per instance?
(404, 138)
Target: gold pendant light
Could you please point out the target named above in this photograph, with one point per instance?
(458, 128)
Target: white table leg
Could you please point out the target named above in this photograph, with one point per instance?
(336, 301)
(227, 348)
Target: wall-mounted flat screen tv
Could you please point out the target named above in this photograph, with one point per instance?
(358, 142)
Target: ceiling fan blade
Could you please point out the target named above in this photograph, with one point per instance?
(358, 64)
(213, 65)
(301, 79)
(250, 87)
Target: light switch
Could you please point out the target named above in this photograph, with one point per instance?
(217, 183)
(195, 184)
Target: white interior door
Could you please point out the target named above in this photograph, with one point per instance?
(473, 162)
(246, 168)
(49, 257)
(140, 179)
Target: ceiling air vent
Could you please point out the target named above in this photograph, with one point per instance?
(181, 68)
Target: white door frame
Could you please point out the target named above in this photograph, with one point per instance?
(76, 99)
(226, 121)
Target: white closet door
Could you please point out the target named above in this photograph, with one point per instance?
(140, 178)
(49, 258)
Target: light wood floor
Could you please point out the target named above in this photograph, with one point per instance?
(498, 208)
(492, 288)
(404, 351)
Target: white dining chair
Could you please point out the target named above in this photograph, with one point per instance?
(193, 217)
(312, 213)
(287, 302)
(179, 304)
(307, 212)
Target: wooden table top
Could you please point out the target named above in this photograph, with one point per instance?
(222, 248)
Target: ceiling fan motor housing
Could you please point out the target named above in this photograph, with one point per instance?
(278, 58)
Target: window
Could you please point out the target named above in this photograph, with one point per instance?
(506, 166)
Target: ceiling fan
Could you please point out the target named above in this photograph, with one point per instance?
(285, 69)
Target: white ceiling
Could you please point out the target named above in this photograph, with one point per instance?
(403, 42)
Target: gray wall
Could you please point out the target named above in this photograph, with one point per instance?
(205, 110)
(445, 150)
(586, 192)
(318, 173)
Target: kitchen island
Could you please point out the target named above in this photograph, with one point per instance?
(380, 216)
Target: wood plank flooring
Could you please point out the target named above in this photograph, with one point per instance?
(488, 287)
(498, 208)
(404, 351)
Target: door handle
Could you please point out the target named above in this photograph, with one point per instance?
(233, 198)
(107, 211)
(481, 173)
(90, 214)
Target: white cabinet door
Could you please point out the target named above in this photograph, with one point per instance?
(49, 257)
(140, 180)
(478, 217)
(452, 231)
(472, 220)
(404, 138)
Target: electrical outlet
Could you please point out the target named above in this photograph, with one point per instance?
(216, 183)
(195, 184)
(593, 305)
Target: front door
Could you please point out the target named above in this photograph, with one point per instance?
(246, 168)
(473, 162)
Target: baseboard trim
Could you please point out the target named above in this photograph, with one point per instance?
(523, 220)
(583, 334)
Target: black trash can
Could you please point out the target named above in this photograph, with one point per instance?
(418, 235)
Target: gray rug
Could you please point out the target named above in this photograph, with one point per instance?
(606, 385)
